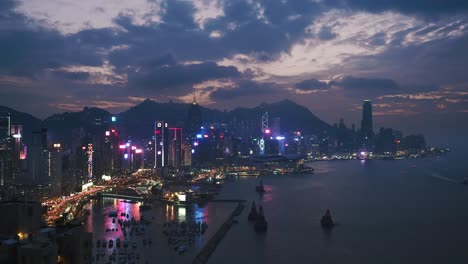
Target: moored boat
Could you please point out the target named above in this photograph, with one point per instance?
(259, 188)
(261, 225)
(327, 220)
(253, 213)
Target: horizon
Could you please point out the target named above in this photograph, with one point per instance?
(433, 139)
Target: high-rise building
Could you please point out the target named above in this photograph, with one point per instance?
(5, 149)
(175, 147)
(37, 158)
(55, 168)
(366, 122)
(161, 143)
(367, 132)
(194, 120)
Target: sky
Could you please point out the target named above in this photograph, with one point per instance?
(409, 57)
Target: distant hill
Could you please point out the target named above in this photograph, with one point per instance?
(91, 119)
(138, 121)
(292, 116)
(29, 122)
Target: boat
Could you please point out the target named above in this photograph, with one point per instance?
(327, 220)
(145, 207)
(113, 214)
(261, 225)
(253, 213)
(259, 188)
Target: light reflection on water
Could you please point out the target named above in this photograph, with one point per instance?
(214, 214)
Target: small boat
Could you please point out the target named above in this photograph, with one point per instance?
(113, 214)
(327, 220)
(253, 213)
(261, 225)
(259, 188)
(145, 207)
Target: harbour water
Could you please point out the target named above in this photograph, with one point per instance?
(387, 211)
(140, 249)
(400, 211)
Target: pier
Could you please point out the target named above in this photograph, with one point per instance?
(210, 246)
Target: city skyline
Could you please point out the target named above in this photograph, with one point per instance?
(407, 58)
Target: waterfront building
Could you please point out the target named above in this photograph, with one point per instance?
(161, 143)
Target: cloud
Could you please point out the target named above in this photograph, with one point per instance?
(431, 9)
(74, 76)
(244, 88)
(311, 84)
(326, 33)
(178, 78)
(350, 82)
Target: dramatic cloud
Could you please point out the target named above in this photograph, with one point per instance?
(244, 88)
(171, 77)
(311, 84)
(350, 82)
(407, 56)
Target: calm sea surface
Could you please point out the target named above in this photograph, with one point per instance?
(405, 211)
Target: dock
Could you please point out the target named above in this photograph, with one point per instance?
(210, 246)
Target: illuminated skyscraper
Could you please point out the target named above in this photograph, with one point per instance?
(55, 167)
(161, 143)
(5, 148)
(366, 124)
(194, 119)
(175, 147)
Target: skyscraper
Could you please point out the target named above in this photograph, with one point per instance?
(5, 148)
(37, 158)
(366, 123)
(161, 143)
(194, 119)
(175, 147)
